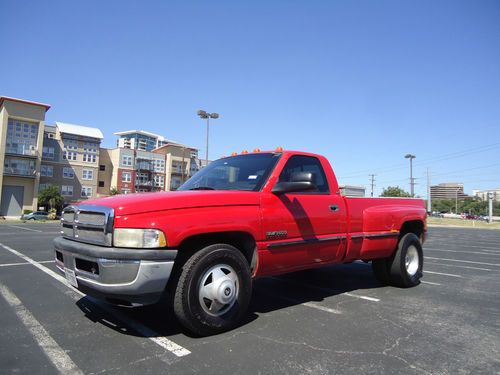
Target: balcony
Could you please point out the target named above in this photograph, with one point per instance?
(22, 150)
(144, 183)
(144, 166)
(20, 172)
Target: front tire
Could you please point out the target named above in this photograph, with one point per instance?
(213, 291)
(405, 266)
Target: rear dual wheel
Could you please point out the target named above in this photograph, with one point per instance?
(213, 290)
(404, 267)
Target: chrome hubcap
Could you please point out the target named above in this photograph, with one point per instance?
(218, 289)
(411, 260)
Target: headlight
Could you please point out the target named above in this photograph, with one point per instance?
(139, 238)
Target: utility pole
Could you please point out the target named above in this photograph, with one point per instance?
(372, 183)
(429, 198)
(490, 206)
(412, 180)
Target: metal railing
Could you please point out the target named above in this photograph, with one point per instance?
(22, 150)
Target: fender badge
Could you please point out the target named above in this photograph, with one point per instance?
(277, 234)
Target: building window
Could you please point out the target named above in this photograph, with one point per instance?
(102, 167)
(42, 187)
(101, 183)
(90, 147)
(47, 171)
(125, 191)
(21, 137)
(69, 155)
(88, 174)
(48, 153)
(67, 190)
(127, 160)
(159, 165)
(70, 144)
(159, 181)
(89, 158)
(68, 173)
(86, 191)
(126, 177)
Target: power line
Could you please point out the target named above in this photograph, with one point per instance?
(443, 157)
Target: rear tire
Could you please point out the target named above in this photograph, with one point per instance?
(213, 290)
(405, 266)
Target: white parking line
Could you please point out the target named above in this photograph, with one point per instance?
(28, 229)
(428, 282)
(52, 350)
(24, 263)
(465, 261)
(148, 333)
(457, 266)
(465, 252)
(327, 290)
(440, 273)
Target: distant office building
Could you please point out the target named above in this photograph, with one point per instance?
(70, 160)
(21, 137)
(140, 140)
(449, 190)
(352, 191)
(181, 163)
(483, 194)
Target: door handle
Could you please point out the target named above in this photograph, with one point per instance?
(334, 207)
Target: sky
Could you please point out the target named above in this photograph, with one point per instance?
(362, 82)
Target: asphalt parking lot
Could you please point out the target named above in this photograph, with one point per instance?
(337, 319)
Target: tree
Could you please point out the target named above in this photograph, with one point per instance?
(394, 191)
(50, 197)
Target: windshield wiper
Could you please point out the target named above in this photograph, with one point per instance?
(202, 188)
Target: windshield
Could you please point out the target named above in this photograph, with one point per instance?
(243, 172)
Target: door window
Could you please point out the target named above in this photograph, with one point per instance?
(301, 163)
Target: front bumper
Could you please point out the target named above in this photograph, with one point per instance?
(118, 275)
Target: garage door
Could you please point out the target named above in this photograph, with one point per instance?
(12, 200)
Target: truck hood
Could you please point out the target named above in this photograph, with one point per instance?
(129, 204)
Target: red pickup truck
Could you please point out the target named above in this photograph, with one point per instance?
(239, 218)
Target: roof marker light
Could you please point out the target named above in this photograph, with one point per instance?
(256, 150)
(234, 153)
(244, 152)
(279, 148)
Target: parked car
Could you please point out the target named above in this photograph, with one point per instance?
(37, 215)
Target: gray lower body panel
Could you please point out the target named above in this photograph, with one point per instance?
(119, 276)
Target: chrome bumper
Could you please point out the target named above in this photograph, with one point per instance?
(119, 276)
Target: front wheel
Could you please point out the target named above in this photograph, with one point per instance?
(213, 290)
(405, 267)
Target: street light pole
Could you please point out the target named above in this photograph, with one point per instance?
(411, 157)
(208, 116)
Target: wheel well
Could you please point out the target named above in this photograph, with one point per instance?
(413, 226)
(243, 241)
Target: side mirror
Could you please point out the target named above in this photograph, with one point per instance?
(299, 182)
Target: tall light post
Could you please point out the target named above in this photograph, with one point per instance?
(208, 116)
(411, 157)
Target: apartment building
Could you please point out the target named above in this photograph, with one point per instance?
(21, 137)
(132, 169)
(181, 162)
(70, 160)
(140, 140)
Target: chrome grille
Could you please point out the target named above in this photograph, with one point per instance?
(88, 223)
